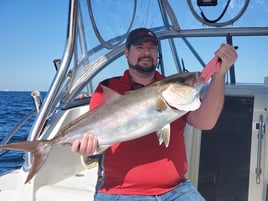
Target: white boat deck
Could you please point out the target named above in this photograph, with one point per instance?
(78, 187)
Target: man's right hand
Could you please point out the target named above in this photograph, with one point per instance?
(86, 146)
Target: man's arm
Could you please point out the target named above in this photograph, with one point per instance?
(207, 115)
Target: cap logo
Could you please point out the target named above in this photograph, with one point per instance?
(141, 33)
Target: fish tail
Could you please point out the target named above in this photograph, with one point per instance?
(39, 149)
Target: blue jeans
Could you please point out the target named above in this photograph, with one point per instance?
(185, 191)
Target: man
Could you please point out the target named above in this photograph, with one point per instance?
(141, 169)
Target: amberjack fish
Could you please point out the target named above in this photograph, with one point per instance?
(124, 117)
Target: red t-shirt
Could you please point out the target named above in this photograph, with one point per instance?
(140, 166)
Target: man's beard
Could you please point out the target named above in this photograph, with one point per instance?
(141, 69)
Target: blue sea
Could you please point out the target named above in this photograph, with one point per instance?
(14, 106)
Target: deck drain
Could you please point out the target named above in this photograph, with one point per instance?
(79, 175)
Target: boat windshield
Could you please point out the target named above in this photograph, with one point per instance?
(189, 35)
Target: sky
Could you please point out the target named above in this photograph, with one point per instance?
(33, 34)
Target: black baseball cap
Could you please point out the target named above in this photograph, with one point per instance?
(139, 35)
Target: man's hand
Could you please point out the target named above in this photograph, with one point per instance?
(228, 56)
(86, 146)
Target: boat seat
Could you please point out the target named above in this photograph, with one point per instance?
(62, 193)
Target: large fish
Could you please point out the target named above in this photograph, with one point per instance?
(124, 117)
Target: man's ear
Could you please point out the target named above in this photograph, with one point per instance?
(126, 52)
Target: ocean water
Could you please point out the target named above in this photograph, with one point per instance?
(14, 106)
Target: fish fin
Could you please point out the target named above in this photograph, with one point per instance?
(164, 135)
(90, 161)
(39, 149)
(109, 95)
(160, 105)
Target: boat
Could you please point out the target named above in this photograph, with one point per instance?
(227, 163)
